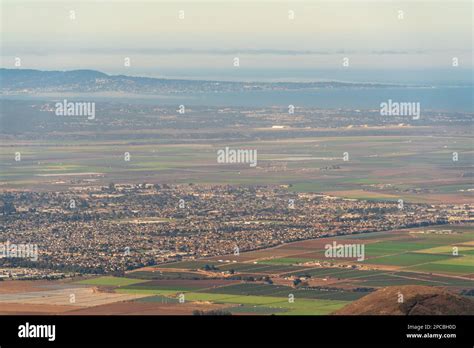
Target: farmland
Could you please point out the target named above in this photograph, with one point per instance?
(110, 281)
(182, 258)
(385, 162)
(259, 284)
(262, 282)
(392, 258)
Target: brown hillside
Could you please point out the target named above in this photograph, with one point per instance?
(417, 300)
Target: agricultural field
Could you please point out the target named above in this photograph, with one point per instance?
(251, 289)
(290, 279)
(376, 171)
(110, 281)
(258, 268)
(189, 265)
(60, 300)
(157, 275)
(298, 307)
(421, 256)
(179, 285)
(408, 259)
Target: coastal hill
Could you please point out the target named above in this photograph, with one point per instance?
(417, 300)
(31, 81)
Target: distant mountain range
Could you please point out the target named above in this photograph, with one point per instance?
(26, 81)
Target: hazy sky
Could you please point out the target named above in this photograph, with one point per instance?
(103, 33)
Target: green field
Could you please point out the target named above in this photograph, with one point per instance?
(436, 267)
(110, 281)
(299, 307)
(458, 261)
(258, 268)
(145, 291)
(147, 275)
(262, 310)
(334, 273)
(152, 158)
(407, 259)
(190, 265)
(159, 288)
(285, 261)
(258, 289)
(374, 250)
(448, 250)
